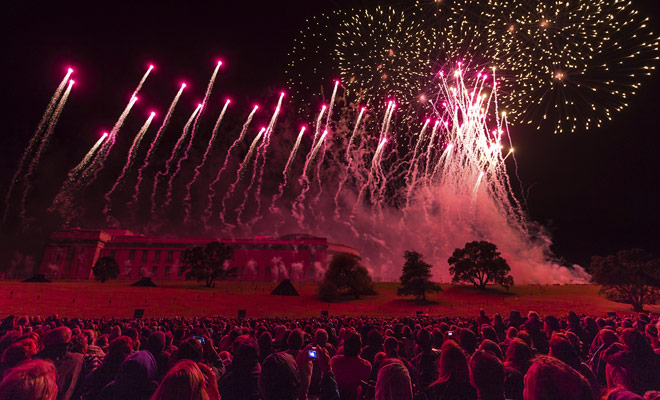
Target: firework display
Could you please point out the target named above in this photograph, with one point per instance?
(409, 147)
(385, 53)
(564, 65)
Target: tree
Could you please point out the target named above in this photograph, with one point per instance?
(207, 263)
(345, 276)
(630, 277)
(416, 277)
(479, 263)
(105, 268)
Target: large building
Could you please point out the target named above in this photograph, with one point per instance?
(71, 254)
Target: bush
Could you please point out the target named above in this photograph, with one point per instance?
(348, 276)
(328, 291)
(105, 268)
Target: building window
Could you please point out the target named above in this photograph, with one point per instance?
(154, 270)
(157, 255)
(131, 255)
(170, 256)
(144, 255)
(168, 270)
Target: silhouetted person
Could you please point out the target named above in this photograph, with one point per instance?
(68, 365)
(349, 368)
(454, 376)
(487, 375)
(550, 379)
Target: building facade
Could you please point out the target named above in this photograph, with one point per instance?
(71, 254)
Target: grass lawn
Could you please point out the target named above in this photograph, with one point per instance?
(175, 298)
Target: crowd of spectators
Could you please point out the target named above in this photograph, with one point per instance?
(573, 357)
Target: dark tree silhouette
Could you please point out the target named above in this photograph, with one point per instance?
(479, 263)
(105, 268)
(416, 277)
(630, 277)
(345, 276)
(207, 263)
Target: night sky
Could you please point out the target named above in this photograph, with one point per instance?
(596, 191)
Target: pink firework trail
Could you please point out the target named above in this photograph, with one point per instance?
(315, 202)
(299, 211)
(42, 148)
(169, 162)
(285, 174)
(264, 150)
(186, 129)
(375, 160)
(127, 166)
(35, 138)
(349, 162)
(154, 145)
(298, 206)
(144, 79)
(209, 208)
(198, 169)
(411, 175)
(89, 175)
(239, 174)
(62, 200)
(102, 155)
(209, 88)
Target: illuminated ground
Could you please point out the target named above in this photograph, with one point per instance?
(118, 299)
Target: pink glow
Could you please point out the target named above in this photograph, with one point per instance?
(72, 82)
(282, 94)
(363, 109)
(302, 128)
(183, 85)
(428, 120)
(153, 113)
(70, 70)
(134, 98)
(219, 62)
(336, 82)
(256, 107)
(199, 105)
(105, 135)
(324, 107)
(151, 66)
(228, 101)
